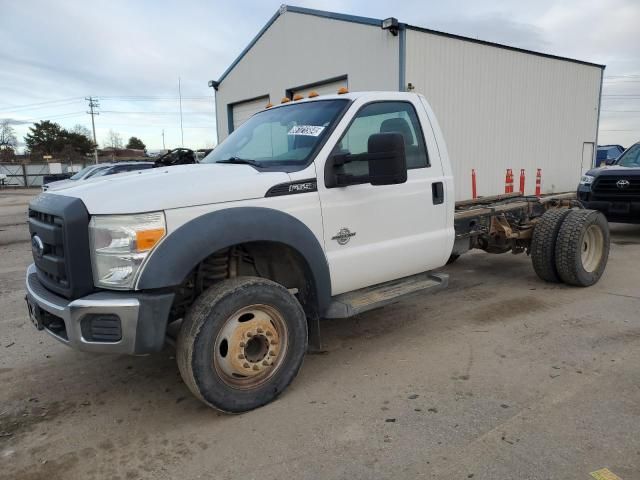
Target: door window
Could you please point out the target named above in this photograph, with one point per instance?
(383, 117)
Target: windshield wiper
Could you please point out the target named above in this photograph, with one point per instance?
(240, 161)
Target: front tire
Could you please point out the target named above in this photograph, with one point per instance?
(242, 343)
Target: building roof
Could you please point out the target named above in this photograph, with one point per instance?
(378, 23)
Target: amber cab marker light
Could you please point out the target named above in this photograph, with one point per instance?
(343, 90)
(313, 94)
(285, 100)
(269, 105)
(297, 97)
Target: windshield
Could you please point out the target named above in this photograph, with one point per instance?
(283, 136)
(630, 158)
(97, 171)
(82, 173)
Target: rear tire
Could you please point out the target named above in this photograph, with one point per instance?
(582, 249)
(543, 244)
(241, 343)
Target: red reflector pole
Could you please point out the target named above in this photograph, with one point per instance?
(522, 174)
(538, 182)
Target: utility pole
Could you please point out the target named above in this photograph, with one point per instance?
(163, 147)
(180, 96)
(92, 105)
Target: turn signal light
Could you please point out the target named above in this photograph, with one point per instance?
(297, 97)
(343, 90)
(285, 100)
(313, 94)
(146, 239)
(269, 105)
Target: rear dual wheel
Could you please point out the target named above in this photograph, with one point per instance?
(570, 246)
(242, 343)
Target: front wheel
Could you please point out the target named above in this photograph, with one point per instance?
(242, 343)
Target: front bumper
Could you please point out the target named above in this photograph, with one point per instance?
(135, 323)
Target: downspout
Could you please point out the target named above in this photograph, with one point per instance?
(595, 147)
(402, 58)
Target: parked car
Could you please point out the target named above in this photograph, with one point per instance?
(607, 154)
(93, 171)
(614, 189)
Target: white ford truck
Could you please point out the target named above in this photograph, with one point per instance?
(320, 208)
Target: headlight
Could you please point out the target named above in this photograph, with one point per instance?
(120, 244)
(586, 180)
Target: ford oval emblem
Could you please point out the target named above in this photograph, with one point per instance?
(37, 246)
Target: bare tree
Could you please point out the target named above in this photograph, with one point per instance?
(82, 130)
(113, 140)
(7, 135)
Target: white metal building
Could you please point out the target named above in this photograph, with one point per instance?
(499, 107)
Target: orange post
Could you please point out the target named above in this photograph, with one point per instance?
(508, 181)
(474, 190)
(522, 181)
(538, 182)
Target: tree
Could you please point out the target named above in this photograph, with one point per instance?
(45, 138)
(82, 130)
(136, 144)
(113, 140)
(78, 142)
(8, 138)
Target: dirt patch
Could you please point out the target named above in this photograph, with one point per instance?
(507, 309)
(26, 418)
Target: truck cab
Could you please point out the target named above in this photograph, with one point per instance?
(614, 189)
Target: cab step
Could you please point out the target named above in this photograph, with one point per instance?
(353, 303)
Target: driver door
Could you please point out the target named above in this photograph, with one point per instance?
(374, 234)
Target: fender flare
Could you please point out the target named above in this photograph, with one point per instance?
(177, 255)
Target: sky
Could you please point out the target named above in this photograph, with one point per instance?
(131, 55)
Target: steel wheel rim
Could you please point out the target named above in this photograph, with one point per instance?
(592, 246)
(250, 347)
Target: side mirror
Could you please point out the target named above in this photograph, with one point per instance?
(387, 159)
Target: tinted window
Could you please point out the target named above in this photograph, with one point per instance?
(383, 117)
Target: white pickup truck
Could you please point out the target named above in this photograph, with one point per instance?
(319, 208)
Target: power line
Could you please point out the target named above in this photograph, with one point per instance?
(29, 106)
(155, 113)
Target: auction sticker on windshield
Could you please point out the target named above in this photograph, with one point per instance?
(308, 130)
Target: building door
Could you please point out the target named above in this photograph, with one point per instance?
(377, 233)
(587, 157)
(242, 111)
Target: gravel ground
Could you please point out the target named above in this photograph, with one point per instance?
(500, 376)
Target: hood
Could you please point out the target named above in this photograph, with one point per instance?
(612, 171)
(59, 184)
(172, 187)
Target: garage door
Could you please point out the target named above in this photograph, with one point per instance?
(329, 88)
(243, 110)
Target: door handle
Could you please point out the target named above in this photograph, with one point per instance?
(437, 189)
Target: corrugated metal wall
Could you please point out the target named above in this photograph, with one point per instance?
(501, 109)
(300, 49)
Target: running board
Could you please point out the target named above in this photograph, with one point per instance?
(353, 303)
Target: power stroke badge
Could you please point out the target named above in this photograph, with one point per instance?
(343, 236)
